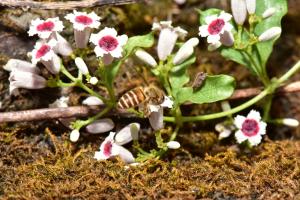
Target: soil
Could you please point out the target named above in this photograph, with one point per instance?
(37, 161)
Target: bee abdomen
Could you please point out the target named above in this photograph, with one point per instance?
(131, 99)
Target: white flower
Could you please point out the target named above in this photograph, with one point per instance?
(250, 128)
(43, 52)
(173, 145)
(215, 26)
(167, 38)
(79, 62)
(83, 20)
(111, 146)
(185, 51)
(62, 102)
(107, 42)
(251, 6)
(83, 24)
(93, 80)
(92, 101)
(157, 113)
(239, 11)
(269, 12)
(27, 80)
(180, 2)
(74, 135)
(44, 28)
(290, 122)
(146, 58)
(270, 34)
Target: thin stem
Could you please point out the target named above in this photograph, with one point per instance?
(289, 73)
(174, 134)
(221, 114)
(267, 107)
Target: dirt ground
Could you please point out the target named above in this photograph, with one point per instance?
(37, 161)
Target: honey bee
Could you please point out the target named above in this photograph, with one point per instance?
(141, 97)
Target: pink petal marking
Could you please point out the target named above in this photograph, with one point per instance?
(82, 19)
(107, 148)
(42, 51)
(216, 26)
(250, 127)
(45, 26)
(108, 43)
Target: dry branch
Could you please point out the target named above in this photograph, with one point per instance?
(84, 111)
(67, 5)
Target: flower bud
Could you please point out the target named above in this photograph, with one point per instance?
(270, 34)
(173, 145)
(92, 101)
(239, 11)
(185, 51)
(268, 13)
(214, 46)
(227, 39)
(74, 136)
(100, 126)
(63, 47)
(124, 136)
(93, 80)
(146, 58)
(81, 66)
(251, 6)
(290, 122)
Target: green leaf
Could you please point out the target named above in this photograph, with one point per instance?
(206, 13)
(265, 48)
(141, 41)
(215, 88)
(179, 77)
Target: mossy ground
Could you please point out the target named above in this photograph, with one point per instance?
(37, 161)
(52, 168)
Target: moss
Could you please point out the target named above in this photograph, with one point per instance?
(50, 168)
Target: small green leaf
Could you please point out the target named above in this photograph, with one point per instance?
(265, 48)
(179, 77)
(215, 88)
(142, 41)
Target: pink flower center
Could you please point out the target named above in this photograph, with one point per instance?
(250, 127)
(108, 43)
(42, 51)
(107, 148)
(82, 19)
(46, 26)
(216, 26)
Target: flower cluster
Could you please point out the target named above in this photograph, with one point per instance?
(52, 45)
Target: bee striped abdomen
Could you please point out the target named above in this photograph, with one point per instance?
(131, 98)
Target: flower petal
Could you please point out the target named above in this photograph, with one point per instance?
(240, 137)
(254, 115)
(100, 126)
(156, 119)
(239, 120)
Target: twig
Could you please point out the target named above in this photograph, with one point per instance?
(84, 111)
(67, 5)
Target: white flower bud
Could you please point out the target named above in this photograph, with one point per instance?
(268, 13)
(93, 80)
(180, 2)
(290, 122)
(227, 39)
(166, 43)
(74, 136)
(239, 11)
(81, 65)
(251, 6)
(92, 101)
(146, 58)
(270, 34)
(62, 47)
(185, 51)
(214, 46)
(100, 126)
(173, 145)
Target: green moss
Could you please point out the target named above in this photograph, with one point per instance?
(52, 169)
